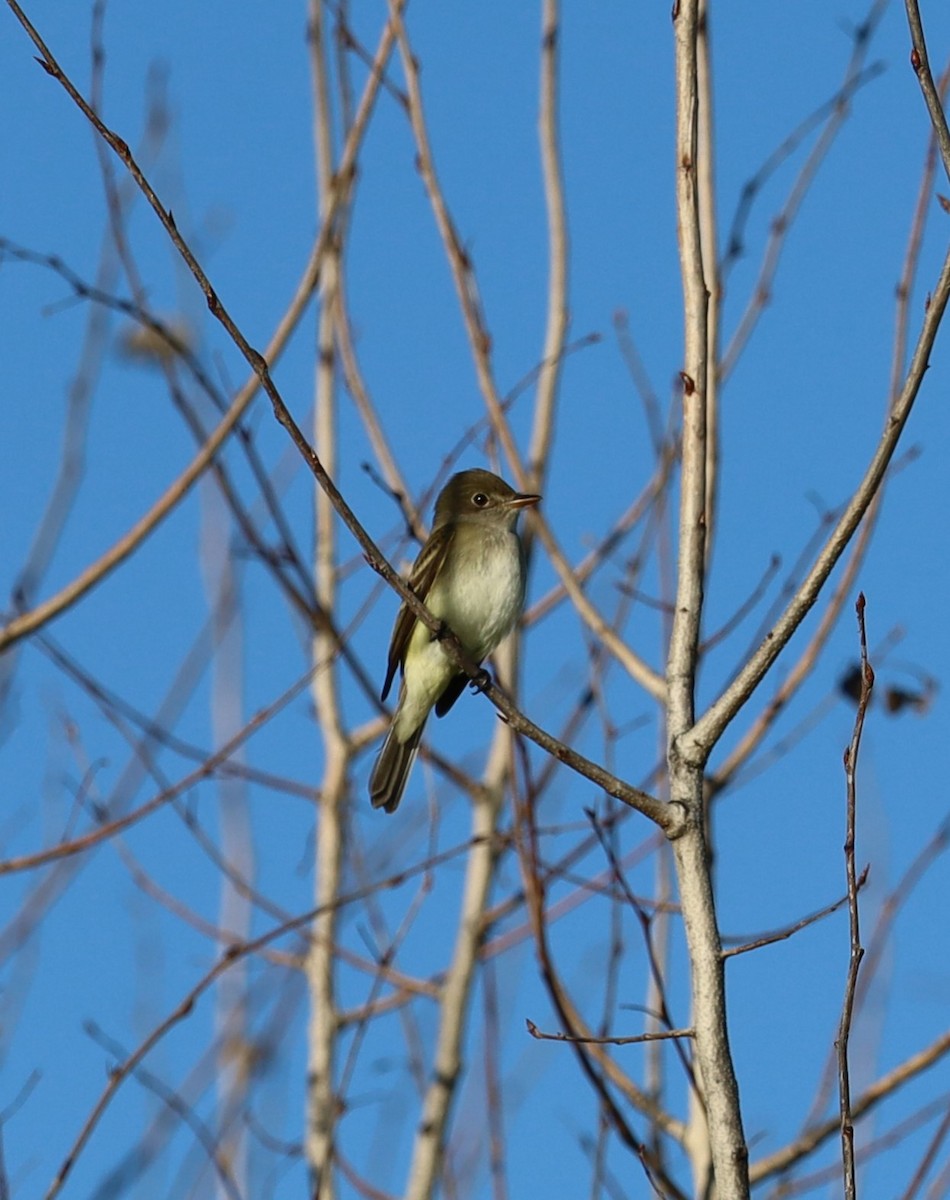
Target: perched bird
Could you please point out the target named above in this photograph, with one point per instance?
(470, 574)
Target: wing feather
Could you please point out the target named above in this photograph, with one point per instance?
(425, 570)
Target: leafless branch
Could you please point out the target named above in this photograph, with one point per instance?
(608, 1041)
(857, 951)
(782, 935)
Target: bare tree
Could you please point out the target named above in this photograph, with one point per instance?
(315, 991)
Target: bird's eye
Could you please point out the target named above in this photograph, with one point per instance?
(479, 499)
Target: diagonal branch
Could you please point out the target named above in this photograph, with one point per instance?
(704, 735)
(27, 623)
(920, 61)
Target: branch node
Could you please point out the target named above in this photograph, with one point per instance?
(682, 823)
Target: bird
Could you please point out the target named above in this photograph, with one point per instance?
(470, 573)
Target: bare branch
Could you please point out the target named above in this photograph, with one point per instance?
(29, 622)
(819, 1132)
(716, 1140)
(556, 334)
(588, 1040)
(920, 61)
(782, 935)
(711, 725)
(857, 951)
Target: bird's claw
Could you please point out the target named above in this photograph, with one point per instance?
(481, 681)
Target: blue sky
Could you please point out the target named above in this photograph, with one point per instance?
(801, 415)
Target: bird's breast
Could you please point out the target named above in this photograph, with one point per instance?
(481, 593)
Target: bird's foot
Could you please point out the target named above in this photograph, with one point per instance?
(481, 681)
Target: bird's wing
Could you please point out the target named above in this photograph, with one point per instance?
(424, 573)
(453, 689)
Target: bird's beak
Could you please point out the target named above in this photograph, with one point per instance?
(523, 500)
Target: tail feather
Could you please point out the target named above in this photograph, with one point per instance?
(391, 770)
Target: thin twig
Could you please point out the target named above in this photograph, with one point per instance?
(857, 952)
(782, 935)
(28, 622)
(714, 721)
(29, 862)
(920, 61)
(571, 1019)
(837, 112)
(589, 1040)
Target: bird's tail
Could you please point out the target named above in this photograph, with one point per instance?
(391, 770)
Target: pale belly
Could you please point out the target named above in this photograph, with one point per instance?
(480, 607)
(485, 597)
